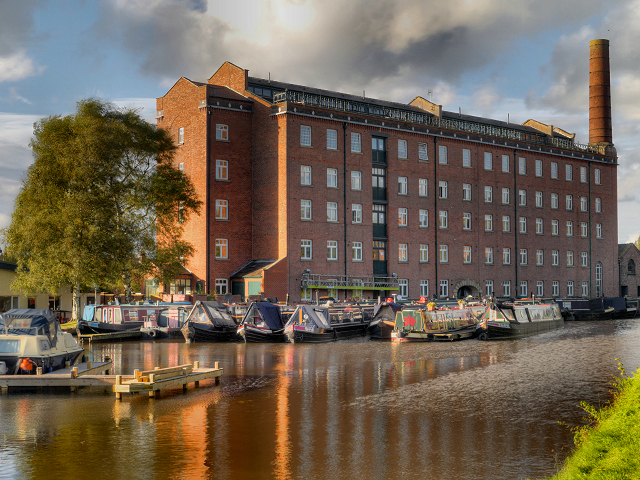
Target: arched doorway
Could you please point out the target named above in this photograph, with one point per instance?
(465, 291)
(467, 287)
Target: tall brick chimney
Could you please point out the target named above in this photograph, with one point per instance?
(599, 93)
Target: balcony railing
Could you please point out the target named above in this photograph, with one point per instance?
(379, 156)
(348, 282)
(380, 230)
(379, 193)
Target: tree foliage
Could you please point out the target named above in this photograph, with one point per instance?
(99, 204)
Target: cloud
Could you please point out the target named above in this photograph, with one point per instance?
(16, 25)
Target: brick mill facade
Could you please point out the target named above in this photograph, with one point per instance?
(310, 191)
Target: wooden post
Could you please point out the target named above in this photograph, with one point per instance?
(74, 372)
(152, 393)
(89, 363)
(216, 365)
(196, 364)
(136, 374)
(67, 364)
(118, 382)
(39, 371)
(184, 387)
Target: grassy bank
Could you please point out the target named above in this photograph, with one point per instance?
(609, 446)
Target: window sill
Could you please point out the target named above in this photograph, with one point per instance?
(221, 140)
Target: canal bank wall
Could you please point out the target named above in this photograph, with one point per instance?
(607, 446)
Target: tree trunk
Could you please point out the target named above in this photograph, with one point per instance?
(77, 295)
(128, 295)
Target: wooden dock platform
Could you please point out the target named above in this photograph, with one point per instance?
(110, 337)
(87, 374)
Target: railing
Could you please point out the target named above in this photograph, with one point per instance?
(379, 156)
(380, 230)
(409, 116)
(350, 282)
(379, 193)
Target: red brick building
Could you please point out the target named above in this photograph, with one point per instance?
(308, 190)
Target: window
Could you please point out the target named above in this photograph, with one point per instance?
(466, 157)
(489, 288)
(424, 253)
(598, 176)
(305, 175)
(422, 187)
(466, 192)
(356, 251)
(505, 196)
(222, 286)
(379, 214)
(555, 257)
(554, 170)
(506, 256)
(488, 255)
(444, 288)
(506, 223)
(332, 250)
(305, 294)
(539, 199)
(585, 289)
(554, 227)
(443, 219)
(569, 258)
(539, 226)
(488, 194)
(181, 166)
(522, 195)
(584, 229)
(584, 204)
(402, 217)
(505, 163)
(442, 189)
(598, 230)
(554, 200)
(488, 161)
(569, 202)
(332, 178)
(523, 224)
(555, 286)
(424, 288)
(332, 211)
(305, 209)
(570, 288)
(403, 255)
(466, 221)
(631, 267)
(402, 185)
(222, 132)
(424, 218)
(523, 256)
(423, 154)
(332, 139)
(538, 168)
(222, 248)
(356, 144)
(222, 210)
(583, 174)
(181, 135)
(584, 259)
(356, 180)
(488, 223)
(598, 279)
(523, 288)
(402, 149)
(539, 288)
(356, 213)
(539, 257)
(306, 250)
(506, 287)
(569, 228)
(403, 287)
(305, 135)
(222, 170)
(444, 253)
(598, 205)
(569, 173)
(466, 254)
(442, 155)
(522, 166)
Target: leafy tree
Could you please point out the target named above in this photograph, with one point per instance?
(99, 205)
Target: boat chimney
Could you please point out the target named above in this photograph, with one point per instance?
(599, 93)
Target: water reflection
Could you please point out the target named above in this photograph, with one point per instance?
(349, 409)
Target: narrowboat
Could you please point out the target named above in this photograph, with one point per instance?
(168, 323)
(504, 321)
(310, 324)
(210, 322)
(262, 323)
(383, 322)
(349, 320)
(425, 325)
(31, 338)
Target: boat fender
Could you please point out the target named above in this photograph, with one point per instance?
(152, 333)
(483, 336)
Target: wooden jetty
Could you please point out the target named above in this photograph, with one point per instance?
(96, 374)
(110, 337)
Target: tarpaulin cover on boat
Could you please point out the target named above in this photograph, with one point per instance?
(270, 314)
(310, 314)
(394, 306)
(29, 321)
(211, 314)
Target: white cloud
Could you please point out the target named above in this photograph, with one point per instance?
(146, 107)
(16, 67)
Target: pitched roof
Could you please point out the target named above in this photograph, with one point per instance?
(252, 269)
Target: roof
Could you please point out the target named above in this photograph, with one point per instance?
(627, 248)
(252, 269)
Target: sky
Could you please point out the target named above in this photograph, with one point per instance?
(515, 59)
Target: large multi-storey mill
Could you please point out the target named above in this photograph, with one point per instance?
(307, 190)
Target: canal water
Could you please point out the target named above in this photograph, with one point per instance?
(350, 409)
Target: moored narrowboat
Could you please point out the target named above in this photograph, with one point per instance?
(424, 325)
(349, 320)
(503, 321)
(262, 323)
(168, 323)
(383, 322)
(310, 324)
(210, 322)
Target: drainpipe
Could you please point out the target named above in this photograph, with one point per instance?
(208, 203)
(516, 220)
(590, 242)
(436, 189)
(344, 175)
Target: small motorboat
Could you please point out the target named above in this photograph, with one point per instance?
(31, 338)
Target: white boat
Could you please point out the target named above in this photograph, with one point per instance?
(31, 338)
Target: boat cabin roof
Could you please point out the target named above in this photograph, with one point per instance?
(30, 321)
(314, 313)
(269, 312)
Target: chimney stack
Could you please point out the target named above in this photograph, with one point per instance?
(599, 93)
